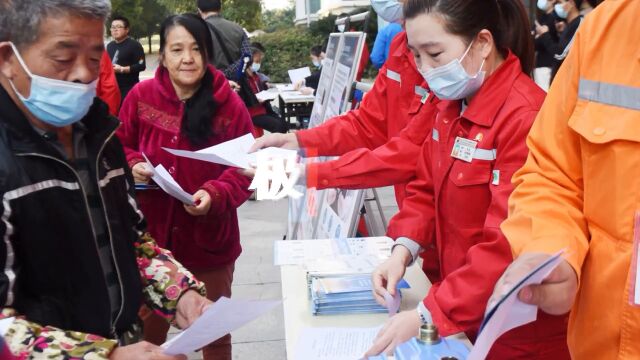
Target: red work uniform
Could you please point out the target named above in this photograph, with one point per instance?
(396, 97)
(464, 201)
(107, 89)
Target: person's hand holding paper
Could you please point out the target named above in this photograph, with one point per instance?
(190, 307)
(505, 310)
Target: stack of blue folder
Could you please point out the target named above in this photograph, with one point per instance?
(345, 294)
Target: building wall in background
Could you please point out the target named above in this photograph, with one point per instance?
(320, 8)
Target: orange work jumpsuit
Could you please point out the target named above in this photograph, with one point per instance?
(580, 187)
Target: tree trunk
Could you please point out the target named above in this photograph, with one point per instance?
(150, 48)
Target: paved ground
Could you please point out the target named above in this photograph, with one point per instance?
(261, 223)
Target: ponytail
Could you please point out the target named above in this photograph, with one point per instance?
(507, 21)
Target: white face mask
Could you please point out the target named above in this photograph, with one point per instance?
(543, 5)
(561, 12)
(341, 28)
(389, 10)
(452, 82)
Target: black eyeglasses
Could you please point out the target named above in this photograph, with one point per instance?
(117, 27)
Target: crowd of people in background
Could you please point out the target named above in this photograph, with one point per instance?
(491, 173)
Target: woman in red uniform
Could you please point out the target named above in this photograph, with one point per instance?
(475, 55)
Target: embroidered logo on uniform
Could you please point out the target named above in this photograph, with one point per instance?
(105, 164)
(479, 137)
(496, 177)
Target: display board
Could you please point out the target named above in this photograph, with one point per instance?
(326, 78)
(345, 70)
(330, 213)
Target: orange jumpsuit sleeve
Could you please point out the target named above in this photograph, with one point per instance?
(365, 127)
(108, 90)
(545, 210)
(392, 163)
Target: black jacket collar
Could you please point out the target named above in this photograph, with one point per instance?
(24, 139)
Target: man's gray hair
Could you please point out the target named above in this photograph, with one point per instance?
(20, 20)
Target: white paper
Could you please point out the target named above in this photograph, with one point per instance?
(334, 343)
(300, 74)
(230, 153)
(285, 87)
(5, 324)
(511, 312)
(221, 318)
(299, 252)
(296, 96)
(167, 183)
(266, 95)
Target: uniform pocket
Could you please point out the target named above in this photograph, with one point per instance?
(468, 174)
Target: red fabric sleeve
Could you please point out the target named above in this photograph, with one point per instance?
(416, 220)
(108, 90)
(458, 302)
(365, 127)
(392, 163)
(128, 131)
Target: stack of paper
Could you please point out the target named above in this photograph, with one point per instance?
(345, 294)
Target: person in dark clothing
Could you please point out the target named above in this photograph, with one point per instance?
(544, 59)
(565, 9)
(317, 58)
(77, 259)
(228, 38)
(127, 55)
(262, 114)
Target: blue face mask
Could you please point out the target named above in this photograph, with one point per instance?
(56, 102)
(562, 13)
(452, 82)
(388, 10)
(255, 67)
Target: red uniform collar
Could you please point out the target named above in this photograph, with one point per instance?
(492, 95)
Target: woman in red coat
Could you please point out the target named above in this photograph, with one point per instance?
(189, 106)
(475, 55)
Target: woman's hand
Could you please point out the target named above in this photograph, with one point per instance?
(202, 201)
(284, 141)
(141, 173)
(142, 351)
(398, 329)
(388, 274)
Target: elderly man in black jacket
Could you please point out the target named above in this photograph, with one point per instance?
(75, 261)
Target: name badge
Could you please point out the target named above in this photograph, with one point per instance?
(463, 149)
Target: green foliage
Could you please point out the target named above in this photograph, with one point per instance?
(286, 49)
(247, 13)
(274, 20)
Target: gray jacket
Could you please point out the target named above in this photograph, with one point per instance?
(234, 39)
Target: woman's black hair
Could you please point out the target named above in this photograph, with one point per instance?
(507, 21)
(200, 109)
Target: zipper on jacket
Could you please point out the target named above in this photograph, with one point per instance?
(93, 230)
(113, 253)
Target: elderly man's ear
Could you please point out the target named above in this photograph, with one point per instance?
(8, 60)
